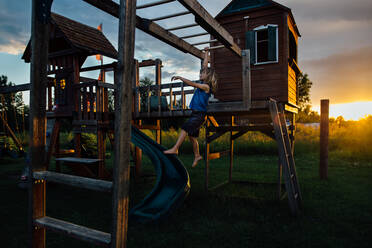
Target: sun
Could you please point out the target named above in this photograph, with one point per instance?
(350, 111)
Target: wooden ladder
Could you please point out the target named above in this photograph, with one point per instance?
(43, 222)
(286, 157)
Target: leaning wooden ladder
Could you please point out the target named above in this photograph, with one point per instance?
(286, 157)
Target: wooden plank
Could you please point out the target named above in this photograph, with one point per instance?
(148, 5)
(79, 160)
(170, 16)
(205, 20)
(149, 27)
(38, 71)
(74, 181)
(123, 80)
(75, 231)
(15, 88)
(98, 67)
(246, 80)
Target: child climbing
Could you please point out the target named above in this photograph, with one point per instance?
(198, 105)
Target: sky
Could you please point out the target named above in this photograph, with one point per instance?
(335, 49)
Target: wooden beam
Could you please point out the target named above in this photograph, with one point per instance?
(205, 20)
(148, 5)
(99, 67)
(149, 27)
(123, 105)
(183, 27)
(246, 79)
(39, 61)
(14, 89)
(170, 16)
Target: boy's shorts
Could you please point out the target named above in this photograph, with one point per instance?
(193, 124)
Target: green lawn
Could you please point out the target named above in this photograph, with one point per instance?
(337, 212)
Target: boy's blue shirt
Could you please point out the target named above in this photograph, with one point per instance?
(199, 101)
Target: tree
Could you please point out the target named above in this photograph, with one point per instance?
(304, 86)
(11, 105)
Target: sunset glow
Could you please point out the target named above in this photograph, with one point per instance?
(350, 111)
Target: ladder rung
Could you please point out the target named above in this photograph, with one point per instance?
(75, 231)
(154, 4)
(194, 35)
(183, 27)
(79, 160)
(75, 181)
(171, 16)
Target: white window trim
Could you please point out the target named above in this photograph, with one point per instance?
(262, 27)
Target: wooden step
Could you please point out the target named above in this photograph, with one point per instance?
(75, 231)
(86, 161)
(74, 181)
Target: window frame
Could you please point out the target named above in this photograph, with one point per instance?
(263, 27)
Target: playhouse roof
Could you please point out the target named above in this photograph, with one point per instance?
(80, 36)
(236, 6)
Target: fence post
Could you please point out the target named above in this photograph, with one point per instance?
(324, 134)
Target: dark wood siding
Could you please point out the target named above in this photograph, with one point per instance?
(268, 80)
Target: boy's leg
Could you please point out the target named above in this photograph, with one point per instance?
(181, 138)
(195, 147)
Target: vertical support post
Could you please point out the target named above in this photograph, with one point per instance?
(123, 108)
(39, 62)
(77, 103)
(324, 134)
(206, 156)
(246, 79)
(158, 66)
(231, 151)
(293, 131)
(57, 151)
(137, 109)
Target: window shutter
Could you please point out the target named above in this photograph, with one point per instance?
(272, 43)
(250, 43)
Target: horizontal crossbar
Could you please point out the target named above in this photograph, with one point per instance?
(148, 5)
(183, 27)
(204, 42)
(194, 35)
(170, 16)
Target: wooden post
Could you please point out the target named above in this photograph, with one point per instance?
(231, 151)
(206, 156)
(246, 77)
(77, 103)
(158, 65)
(324, 133)
(123, 108)
(39, 62)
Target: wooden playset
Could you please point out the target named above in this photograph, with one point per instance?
(253, 50)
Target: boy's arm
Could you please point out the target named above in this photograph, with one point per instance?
(204, 87)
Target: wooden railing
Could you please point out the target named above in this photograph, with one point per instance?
(167, 92)
(92, 99)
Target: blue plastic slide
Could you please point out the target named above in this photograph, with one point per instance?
(172, 184)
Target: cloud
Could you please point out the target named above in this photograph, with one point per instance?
(13, 47)
(356, 10)
(14, 26)
(343, 77)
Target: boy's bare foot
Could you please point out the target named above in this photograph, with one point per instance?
(171, 151)
(196, 160)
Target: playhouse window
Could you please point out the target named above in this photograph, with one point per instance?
(263, 44)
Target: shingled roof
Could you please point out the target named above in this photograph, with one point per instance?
(236, 6)
(88, 39)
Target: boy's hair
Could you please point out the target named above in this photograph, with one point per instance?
(211, 79)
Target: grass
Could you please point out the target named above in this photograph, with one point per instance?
(337, 212)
